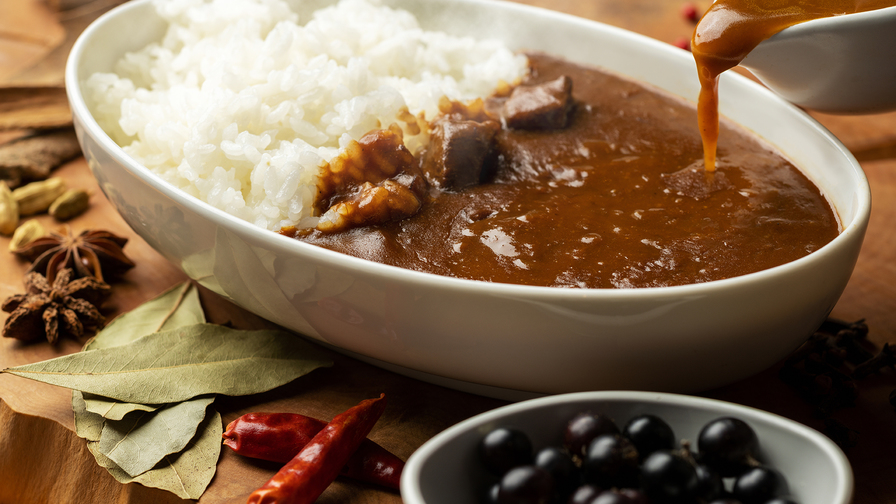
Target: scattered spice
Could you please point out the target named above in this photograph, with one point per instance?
(91, 253)
(689, 12)
(683, 43)
(827, 369)
(9, 210)
(885, 358)
(278, 437)
(818, 369)
(312, 470)
(839, 433)
(29, 231)
(71, 204)
(32, 158)
(37, 197)
(66, 307)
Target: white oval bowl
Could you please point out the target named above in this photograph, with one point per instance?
(842, 64)
(488, 338)
(446, 469)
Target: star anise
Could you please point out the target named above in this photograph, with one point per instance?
(90, 253)
(65, 307)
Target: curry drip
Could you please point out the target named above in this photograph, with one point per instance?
(730, 29)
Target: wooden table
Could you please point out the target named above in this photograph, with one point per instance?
(42, 460)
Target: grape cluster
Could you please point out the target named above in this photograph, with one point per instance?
(642, 463)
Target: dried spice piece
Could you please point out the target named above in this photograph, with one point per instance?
(682, 43)
(844, 436)
(66, 307)
(71, 204)
(278, 437)
(37, 197)
(885, 358)
(9, 211)
(90, 253)
(180, 364)
(312, 470)
(689, 12)
(820, 371)
(29, 231)
(34, 157)
(827, 371)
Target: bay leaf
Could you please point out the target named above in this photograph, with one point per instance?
(112, 409)
(107, 463)
(186, 474)
(179, 306)
(179, 364)
(139, 442)
(88, 425)
(175, 463)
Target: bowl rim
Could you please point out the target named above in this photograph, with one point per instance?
(254, 234)
(411, 491)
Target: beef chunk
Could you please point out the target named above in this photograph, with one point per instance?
(541, 106)
(459, 152)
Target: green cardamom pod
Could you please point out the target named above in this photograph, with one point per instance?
(71, 204)
(37, 197)
(29, 231)
(9, 210)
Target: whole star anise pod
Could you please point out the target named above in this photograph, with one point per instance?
(65, 307)
(90, 253)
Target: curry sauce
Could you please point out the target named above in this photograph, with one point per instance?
(615, 196)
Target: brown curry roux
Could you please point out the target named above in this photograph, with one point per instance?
(611, 194)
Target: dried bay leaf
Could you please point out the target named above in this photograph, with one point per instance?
(179, 364)
(179, 306)
(186, 474)
(111, 409)
(139, 442)
(88, 425)
(189, 473)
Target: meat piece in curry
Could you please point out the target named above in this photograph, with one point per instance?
(540, 106)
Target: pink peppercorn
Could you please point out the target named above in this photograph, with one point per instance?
(689, 12)
(683, 43)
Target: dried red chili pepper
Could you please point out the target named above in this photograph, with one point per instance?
(278, 437)
(310, 472)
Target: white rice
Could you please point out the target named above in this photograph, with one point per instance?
(240, 104)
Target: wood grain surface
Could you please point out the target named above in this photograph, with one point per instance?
(43, 461)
